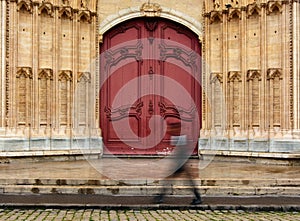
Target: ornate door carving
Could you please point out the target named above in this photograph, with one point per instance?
(149, 74)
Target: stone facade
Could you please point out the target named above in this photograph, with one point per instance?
(50, 77)
(251, 71)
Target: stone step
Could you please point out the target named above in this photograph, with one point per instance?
(149, 190)
(107, 182)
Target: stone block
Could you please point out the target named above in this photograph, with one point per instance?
(14, 144)
(203, 144)
(60, 144)
(219, 143)
(285, 146)
(259, 145)
(239, 144)
(40, 143)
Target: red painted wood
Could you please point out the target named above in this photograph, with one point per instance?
(142, 55)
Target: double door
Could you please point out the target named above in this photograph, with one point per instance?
(149, 75)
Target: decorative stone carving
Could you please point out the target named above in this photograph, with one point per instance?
(47, 8)
(274, 72)
(65, 75)
(66, 12)
(234, 76)
(25, 5)
(150, 9)
(274, 6)
(24, 71)
(216, 77)
(84, 16)
(253, 9)
(234, 13)
(215, 17)
(45, 73)
(251, 74)
(84, 76)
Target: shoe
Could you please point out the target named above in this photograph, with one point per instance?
(159, 199)
(196, 201)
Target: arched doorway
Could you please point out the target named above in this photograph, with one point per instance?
(150, 71)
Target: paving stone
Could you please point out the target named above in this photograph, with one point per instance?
(143, 215)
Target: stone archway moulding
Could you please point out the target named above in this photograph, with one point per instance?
(134, 12)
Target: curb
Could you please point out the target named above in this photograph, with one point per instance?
(245, 208)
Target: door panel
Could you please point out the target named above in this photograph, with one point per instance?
(149, 73)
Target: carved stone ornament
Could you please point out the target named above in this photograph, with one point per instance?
(252, 74)
(46, 7)
(216, 77)
(151, 9)
(65, 75)
(253, 9)
(24, 71)
(84, 16)
(25, 5)
(274, 72)
(84, 76)
(66, 11)
(45, 73)
(274, 6)
(234, 76)
(215, 17)
(234, 13)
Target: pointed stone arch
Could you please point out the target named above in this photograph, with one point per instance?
(215, 17)
(45, 73)
(24, 71)
(253, 10)
(234, 76)
(274, 6)
(251, 74)
(25, 5)
(84, 16)
(235, 13)
(66, 12)
(135, 12)
(273, 73)
(46, 8)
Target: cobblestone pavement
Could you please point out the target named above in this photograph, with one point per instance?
(137, 215)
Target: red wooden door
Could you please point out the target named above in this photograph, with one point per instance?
(150, 74)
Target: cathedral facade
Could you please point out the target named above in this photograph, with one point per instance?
(247, 81)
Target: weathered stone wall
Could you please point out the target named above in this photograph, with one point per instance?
(248, 76)
(50, 82)
(50, 88)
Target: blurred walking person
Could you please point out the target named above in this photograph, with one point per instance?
(179, 158)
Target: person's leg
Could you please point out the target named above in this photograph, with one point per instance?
(196, 192)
